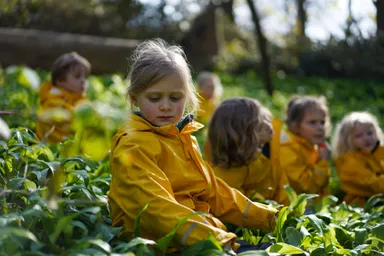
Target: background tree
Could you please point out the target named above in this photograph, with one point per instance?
(262, 42)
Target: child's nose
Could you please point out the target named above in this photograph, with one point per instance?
(165, 105)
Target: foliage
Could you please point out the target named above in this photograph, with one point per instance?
(55, 205)
(360, 59)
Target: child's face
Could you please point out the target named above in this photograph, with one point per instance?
(312, 127)
(363, 136)
(207, 89)
(163, 103)
(266, 132)
(75, 80)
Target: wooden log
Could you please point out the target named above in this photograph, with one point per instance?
(39, 49)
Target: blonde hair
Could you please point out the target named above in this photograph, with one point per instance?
(297, 105)
(205, 76)
(66, 63)
(342, 141)
(155, 59)
(234, 131)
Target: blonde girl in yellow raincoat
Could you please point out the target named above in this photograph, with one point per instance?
(359, 157)
(59, 97)
(155, 160)
(240, 128)
(304, 152)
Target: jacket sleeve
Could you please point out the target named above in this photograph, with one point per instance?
(357, 178)
(137, 180)
(303, 176)
(231, 206)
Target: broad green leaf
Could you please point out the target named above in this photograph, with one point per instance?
(201, 246)
(29, 185)
(378, 231)
(19, 232)
(282, 217)
(318, 224)
(283, 248)
(293, 236)
(360, 236)
(124, 247)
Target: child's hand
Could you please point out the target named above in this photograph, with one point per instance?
(266, 132)
(324, 151)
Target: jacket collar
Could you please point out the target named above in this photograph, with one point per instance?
(300, 140)
(49, 89)
(186, 125)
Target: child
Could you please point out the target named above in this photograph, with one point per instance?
(155, 160)
(238, 130)
(359, 157)
(210, 91)
(304, 153)
(59, 97)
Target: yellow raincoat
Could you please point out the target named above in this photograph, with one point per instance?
(262, 178)
(306, 172)
(206, 109)
(162, 167)
(361, 175)
(56, 113)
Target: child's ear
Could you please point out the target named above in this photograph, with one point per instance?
(133, 99)
(295, 127)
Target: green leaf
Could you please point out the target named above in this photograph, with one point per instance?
(360, 236)
(29, 185)
(201, 246)
(256, 253)
(294, 236)
(282, 217)
(124, 247)
(283, 248)
(318, 224)
(164, 241)
(100, 243)
(19, 232)
(16, 183)
(378, 231)
(136, 224)
(63, 222)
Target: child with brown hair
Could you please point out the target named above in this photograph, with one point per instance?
(304, 153)
(239, 129)
(210, 92)
(59, 97)
(155, 161)
(359, 157)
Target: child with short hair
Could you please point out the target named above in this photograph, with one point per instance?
(239, 129)
(210, 92)
(59, 97)
(155, 160)
(359, 157)
(304, 153)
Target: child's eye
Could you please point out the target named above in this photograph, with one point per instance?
(175, 98)
(154, 99)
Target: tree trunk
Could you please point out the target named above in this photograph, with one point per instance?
(379, 17)
(262, 42)
(301, 19)
(228, 9)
